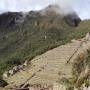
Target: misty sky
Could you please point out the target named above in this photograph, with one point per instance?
(82, 7)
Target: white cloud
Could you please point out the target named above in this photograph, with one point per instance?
(80, 6)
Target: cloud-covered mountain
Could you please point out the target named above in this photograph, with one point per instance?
(81, 7)
(9, 19)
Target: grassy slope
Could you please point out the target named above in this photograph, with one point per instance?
(34, 37)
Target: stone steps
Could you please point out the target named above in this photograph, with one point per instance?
(48, 66)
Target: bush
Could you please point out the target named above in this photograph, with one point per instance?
(14, 61)
(3, 83)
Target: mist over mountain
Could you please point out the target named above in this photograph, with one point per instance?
(9, 19)
(82, 9)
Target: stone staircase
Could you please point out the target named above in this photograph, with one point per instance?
(50, 66)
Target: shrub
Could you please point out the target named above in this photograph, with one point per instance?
(3, 83)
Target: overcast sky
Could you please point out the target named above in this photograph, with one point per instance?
(82, 7)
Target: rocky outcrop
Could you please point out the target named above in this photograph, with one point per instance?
(9, 19)
(14, 70)
(72, 19)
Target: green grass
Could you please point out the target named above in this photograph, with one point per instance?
(34, 37)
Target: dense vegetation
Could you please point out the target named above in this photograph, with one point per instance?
(35, 36)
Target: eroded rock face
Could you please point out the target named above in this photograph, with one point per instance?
(10, 19)
(33, 14)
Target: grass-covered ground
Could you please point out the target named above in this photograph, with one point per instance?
(34, 37)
